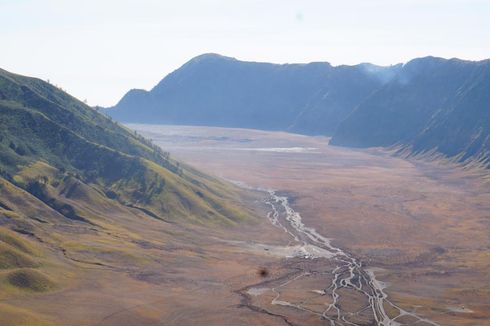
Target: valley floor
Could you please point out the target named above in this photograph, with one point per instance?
(378, 239)
(422, 227)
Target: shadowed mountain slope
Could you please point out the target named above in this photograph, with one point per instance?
(433, 104)
(221, 91)
(429, 105)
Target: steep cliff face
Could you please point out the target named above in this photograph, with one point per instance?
(432, 104)
(220, 91)
(427, 104)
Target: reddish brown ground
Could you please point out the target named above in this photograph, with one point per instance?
(425, 225)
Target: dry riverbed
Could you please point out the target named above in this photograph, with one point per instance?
(401, 242)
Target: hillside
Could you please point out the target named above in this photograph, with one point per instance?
(43, 126)
(215, 90)
(433, 104)
(79, 191)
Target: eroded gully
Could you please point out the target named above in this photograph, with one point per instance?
(348, 274)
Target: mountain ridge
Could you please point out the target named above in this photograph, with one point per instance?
(40, 123)
(82, 196)
(363, 105)
(286, 89)
(432, 104)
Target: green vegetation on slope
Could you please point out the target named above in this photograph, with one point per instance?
(46, 131)
(80, 192)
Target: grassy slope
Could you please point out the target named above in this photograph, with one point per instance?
(41, 123)
(77, 187)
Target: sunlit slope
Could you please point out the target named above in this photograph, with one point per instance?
(79, 193)
(49, 142)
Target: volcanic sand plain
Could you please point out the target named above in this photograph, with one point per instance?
(423, 225)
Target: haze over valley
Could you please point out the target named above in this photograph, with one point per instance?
(261, 163)
(428, 104)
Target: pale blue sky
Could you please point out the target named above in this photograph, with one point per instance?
(97, 50)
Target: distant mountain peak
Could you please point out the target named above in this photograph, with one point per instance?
(213, 89)
(210, 56)
(360, 105)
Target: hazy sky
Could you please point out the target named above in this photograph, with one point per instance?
(97, 50)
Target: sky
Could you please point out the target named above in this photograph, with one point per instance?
(99, 49)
